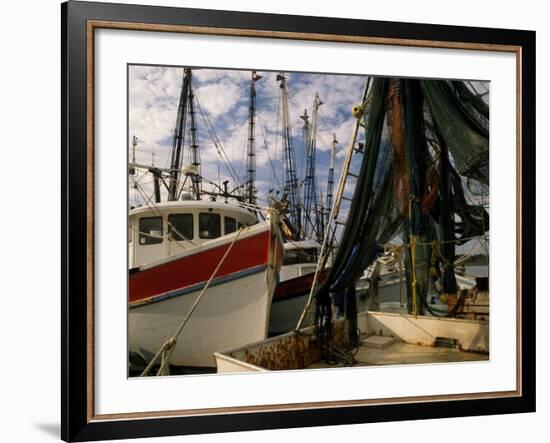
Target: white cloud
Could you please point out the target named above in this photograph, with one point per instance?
(224, 95)
(219, 98)
(217, 75)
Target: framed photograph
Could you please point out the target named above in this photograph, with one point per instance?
(276, 221)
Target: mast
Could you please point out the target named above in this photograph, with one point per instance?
(312, 222)
(320, 218)
(330, 184)
(196, 178)
(134, 145)
(305, 144)
(156, 183)
(132, 165)
(289, 160)
(186, 109)
(251, 147)
(177, 143)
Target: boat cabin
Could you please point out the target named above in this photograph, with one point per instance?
(165, 229)
(300, 258)
(304, 251)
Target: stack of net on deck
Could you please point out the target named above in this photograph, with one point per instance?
(424, 169)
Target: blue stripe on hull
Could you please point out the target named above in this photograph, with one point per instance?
(199, 286)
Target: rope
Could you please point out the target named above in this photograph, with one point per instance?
(169, 345)
(401, 263)
(475, 237)
(413, 283)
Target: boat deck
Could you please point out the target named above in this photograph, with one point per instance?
(386, 339)
(399, 353)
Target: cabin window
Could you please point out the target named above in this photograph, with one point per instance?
(291, 257)
(209, 225)
(229, 225)
(180, 226)
(150, 230)
(295, 256)
(311, 255)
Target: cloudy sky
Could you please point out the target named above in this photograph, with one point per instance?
(223, 96)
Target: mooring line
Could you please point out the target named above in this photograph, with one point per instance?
(169, 345)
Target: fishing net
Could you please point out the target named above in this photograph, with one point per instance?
(456, 112)
(425, 142)
(372, 213)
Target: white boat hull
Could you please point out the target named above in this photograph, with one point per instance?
(230, 314)
(233, 311)
(392, 295)
(286, 313)
(291, 297)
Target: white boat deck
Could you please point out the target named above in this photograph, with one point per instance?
(386, 339)
(399, 353)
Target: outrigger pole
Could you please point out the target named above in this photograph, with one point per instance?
(330, 184)
(251, 146)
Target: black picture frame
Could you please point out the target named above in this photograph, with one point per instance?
(77, 421)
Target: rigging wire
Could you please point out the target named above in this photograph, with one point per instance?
(277, 136)
(217, 143)
(266, 147)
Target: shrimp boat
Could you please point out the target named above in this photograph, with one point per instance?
(296, 278)
(307, 219)
(426, 187)
(197, 244)
(168, 273)
(383, 286)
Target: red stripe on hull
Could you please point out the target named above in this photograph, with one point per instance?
(297, 286)
(196, 268)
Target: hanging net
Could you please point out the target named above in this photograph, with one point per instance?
(426, 153)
